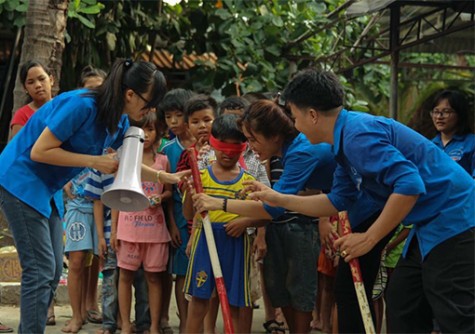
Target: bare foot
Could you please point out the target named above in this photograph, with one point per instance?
(72, 326)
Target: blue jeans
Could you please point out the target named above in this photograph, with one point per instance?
(110, 300)
(39, 243)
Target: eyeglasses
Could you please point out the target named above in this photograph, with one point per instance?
(441, 113)
(147, 102)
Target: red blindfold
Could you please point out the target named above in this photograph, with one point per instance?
(231, 150)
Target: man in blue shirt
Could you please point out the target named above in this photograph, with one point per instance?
(412, 181)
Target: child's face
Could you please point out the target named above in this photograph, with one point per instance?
(200, 123)
(38, 84)
(175, 121)
(150, 135)
(224, 160)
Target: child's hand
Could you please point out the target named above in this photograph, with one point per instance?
(203, 151)
(188, 185)
(328, 236)
(188, 247)
(115, 243)
(259, 247)
(67, 190)
(175, 236)
(236, 227)
(201, 142)
(155, 201)
(102, 248)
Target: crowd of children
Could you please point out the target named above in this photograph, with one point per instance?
(278, 253)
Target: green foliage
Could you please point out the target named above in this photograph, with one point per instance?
(259, 44)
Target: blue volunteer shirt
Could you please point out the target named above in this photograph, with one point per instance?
(306, 166)
(390, 158)
(71, 117)
(461, 149)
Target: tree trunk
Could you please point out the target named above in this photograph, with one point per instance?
(43, 40)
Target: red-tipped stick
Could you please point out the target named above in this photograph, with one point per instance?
(213, 253)
(357, 279)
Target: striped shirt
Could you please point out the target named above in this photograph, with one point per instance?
(96, 184)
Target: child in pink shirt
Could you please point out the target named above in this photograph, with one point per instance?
(142, 238)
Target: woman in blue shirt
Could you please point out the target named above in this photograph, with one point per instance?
(450, 117)
(411, 181)
(292, 239)
(63, 137)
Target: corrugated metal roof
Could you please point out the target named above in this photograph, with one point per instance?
(462, 41)
(164, 59)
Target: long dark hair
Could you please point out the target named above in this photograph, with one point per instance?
(140, 76)
(268, 119)
(460, 105)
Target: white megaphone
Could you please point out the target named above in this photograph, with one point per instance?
(126, 193)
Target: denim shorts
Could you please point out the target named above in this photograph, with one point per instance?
(290, 266)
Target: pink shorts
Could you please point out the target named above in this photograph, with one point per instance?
(154, 256)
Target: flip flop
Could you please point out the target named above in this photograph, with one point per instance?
(51, 320)
(94, 317)
(5, 328)
(274, 327)
(166, 330)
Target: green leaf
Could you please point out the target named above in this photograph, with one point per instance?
(11, 5)
(273, 50)
(67, 37)
(22, 8)
(277, 21)
(111, 41)
(91, 10)
(223, 14)
(19, 21)
(86, 21)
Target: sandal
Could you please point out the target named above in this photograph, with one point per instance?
(51, 320)
(166, 330)
(94, 317)
(5, 328)
(274, 327)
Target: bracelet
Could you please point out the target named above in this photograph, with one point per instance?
(158, 176)
(225, 204)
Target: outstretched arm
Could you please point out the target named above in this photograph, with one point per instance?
(396, 209)
(313, 206)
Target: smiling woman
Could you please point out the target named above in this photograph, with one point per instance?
(65, 135)
(450, 111)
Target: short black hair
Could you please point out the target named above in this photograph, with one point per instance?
(225, 127)
(175, 100)
(199, 102)
(316, 89)
(233, 103)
